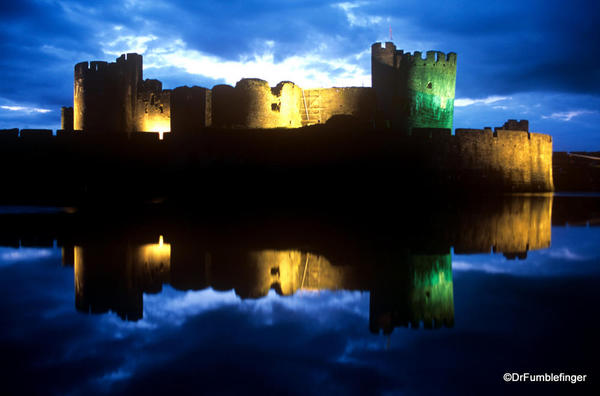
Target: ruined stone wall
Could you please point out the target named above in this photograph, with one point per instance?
(413, 92)
(260, 106)
(153, 112)
(320, 104)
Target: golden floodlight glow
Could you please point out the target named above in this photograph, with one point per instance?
(158, 124)
(155, 254)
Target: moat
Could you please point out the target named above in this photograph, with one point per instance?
(440, 295)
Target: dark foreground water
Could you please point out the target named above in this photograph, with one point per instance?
(170, 307)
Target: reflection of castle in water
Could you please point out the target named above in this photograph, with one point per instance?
(410, 289)
(407, 285)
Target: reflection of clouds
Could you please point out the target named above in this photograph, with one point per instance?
(559, 262)
(10, 256)
(490, 268)
(173, 308)
(563, 254)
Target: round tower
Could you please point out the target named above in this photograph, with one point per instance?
(413, 92)
(429, 89)
(105, 94)
(263, 107)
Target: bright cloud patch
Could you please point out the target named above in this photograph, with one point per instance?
(486, 101)
(307, 70)
(356, 19)
(563, 254)
(25, 109)
(13, 255)
(567, 115)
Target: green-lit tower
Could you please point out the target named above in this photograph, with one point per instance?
(413, 92)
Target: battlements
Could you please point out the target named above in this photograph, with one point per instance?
(514, 125)
(398, 58)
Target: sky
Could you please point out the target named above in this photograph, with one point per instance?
(517, 59)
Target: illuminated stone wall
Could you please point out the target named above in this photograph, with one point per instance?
(517, 160)
(414, 92)
(260, 106)
(254, 104)
(320, 104)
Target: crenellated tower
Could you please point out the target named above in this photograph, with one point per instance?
(105, 94)
(412, 91)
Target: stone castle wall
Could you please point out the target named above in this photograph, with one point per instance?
(320, 104)
(517, 161)
(254, 104)
(522, 161)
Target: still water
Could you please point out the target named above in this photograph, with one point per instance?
(425, 302)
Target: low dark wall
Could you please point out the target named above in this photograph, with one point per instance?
(307, 163)
(577, 171)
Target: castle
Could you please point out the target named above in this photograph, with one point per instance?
(410, 95)
(397, 132)
(407, 92)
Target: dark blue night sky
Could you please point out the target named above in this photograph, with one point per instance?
(523, 59)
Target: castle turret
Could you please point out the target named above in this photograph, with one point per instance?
(412, 91)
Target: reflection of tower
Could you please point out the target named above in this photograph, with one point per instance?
(413, 92)
(114, 276)
(417, 289)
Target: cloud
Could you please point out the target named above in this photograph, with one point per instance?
(462, 102)
(356, 19)
(25, 109)
(564, 254)
(10, 256)
(567, 115)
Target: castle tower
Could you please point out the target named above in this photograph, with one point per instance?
(413, 92)
(105, 94)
